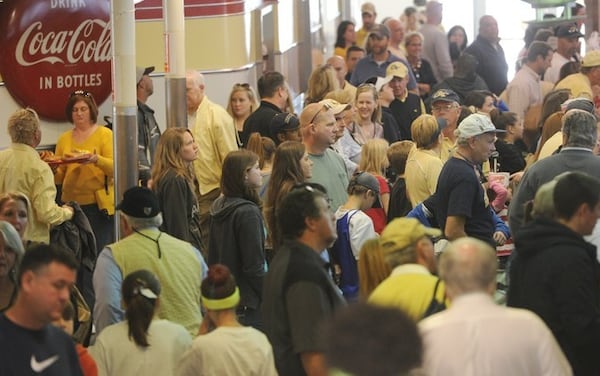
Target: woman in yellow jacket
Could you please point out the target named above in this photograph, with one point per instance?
(90, 148)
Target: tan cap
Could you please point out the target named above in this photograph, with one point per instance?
(591, 59)
(403, 232)
(396, 69)
(336, 106)
(368, 8)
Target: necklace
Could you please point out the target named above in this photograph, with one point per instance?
(154, 240)
(465, 158)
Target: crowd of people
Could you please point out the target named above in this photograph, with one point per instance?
(364, 235)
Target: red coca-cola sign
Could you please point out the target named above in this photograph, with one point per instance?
(51, 48)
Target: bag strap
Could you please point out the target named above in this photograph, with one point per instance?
(435, 289)
(106, 184)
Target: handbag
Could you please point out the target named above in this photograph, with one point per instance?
(105, 197)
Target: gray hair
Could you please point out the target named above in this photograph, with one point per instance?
(468, 265)
(13, 242)
(141, 223)
(196, 77)
(543, 203)
(407, 255)
(580, 128)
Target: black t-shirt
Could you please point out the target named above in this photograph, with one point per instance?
(399, 202)
(459, 193)
(48, 352)
(510, 157)
(259, 121)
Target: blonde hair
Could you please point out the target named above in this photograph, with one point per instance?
(168, 157)
(372, 268)
(370, 88)
(23, 125)
(251, 97)
(424, 131)
(322, 80)
(373, 157)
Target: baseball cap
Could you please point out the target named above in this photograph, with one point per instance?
(579, 103)
(403, 232)
(382, 81)
(396, 69)
(364, 179)
(379, 31)
(475, 125)
(283, 122)
(568, 31)
(368, 8)
(591, 59)
(141, 72)
(335, 106)
(139, 202)
(445, 95)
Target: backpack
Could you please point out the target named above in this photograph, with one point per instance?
(342, 255)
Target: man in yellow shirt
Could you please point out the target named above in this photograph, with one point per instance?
(408, 250)
(581, 83)
(369, 15)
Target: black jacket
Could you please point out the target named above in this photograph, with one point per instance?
(556, 275)
(492, 63)
(77, 236)
(237, 239)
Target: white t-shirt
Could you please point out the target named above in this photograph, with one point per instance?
(361, 228)
(229, 351)
(116, 354)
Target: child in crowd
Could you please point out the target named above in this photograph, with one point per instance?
(374, 161)
(354, 227)
(66, 323)
(398, 155)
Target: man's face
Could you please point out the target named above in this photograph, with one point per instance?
(48, 291)
(379, 45)
(339, 65)
(396, 31)
(567, 46)
(147, 84)
(325, 128)
(589, 217)
(193, 95)
(398, 86)
(326, 223)
(450, 111)
(544, 62)
(488, 28)
(340, 123)
(353, 58)
(368, 20)
(482, 147)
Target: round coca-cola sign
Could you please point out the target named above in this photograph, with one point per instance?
(51, 48)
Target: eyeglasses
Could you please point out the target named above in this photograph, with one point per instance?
(326, 107)
(443, 107)
(313, 188)
(244, 85)
(81, 92)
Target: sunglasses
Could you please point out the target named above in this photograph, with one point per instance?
(326, 107)
(83, 93)
(244, 85)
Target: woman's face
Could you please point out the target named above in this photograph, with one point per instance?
(350, 34)
(516, 129)
(7, 258)
(457, 37)
(386, 93)
(488, 105)
(189, 150)
(81, 113)
(365, 104)
(15, 213)
(253, 176)
(414, 47)
(306, 163)
(240, 104)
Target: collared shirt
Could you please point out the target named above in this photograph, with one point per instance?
(552, 74)
(523, 91)
(215, 135)
(22, 170)
(477, 337)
